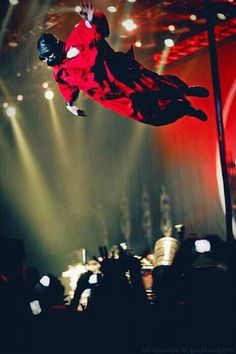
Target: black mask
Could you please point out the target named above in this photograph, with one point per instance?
(51, 50)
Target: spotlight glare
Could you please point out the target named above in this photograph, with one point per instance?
(129, 25)
(18, 74)
(112, 9)
(138, 44)
(131, 0)
(78, 9)
(11, 112)
(171, 28)
(45, 281)
(5, 105)
(221, 16)
(14, 2)
(169, 42)
(49, 95)
(193, 17)
(19, 98)
(45, 85)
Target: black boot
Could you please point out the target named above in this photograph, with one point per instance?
(197, 91)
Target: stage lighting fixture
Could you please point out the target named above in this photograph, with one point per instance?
(49, 95)
(13, 2)
(45, 281)
(129, 25)
(221, 16)
(45, 85)
(112, 9)
(19, 98)
(78, 9)
(169, 42)
(193, 17)
(138, 44)
(171, 28)
(5, 105)
(11, 112)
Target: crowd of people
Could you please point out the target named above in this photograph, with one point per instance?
(191, 311)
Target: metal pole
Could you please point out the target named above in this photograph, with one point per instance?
(220, 127)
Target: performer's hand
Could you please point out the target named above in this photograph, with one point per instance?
(76, 111)
(87, 11)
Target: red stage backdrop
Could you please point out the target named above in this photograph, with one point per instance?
(189, 147)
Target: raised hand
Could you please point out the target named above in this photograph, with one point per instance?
(87, 11)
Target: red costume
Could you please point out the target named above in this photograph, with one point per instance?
(115, 79)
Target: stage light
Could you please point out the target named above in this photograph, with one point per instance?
(131, 0)
(5, 105)
(193, 17)
(129, 25)
(112, 9)
(11, 112)
(221, 16)
(169, 42)
(138, 44)
(45, 281)
(49, 95)
(19, 98)
(78, 9)
(13, 2)
(171, 28)
(45, 85)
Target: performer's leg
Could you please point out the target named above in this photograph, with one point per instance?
(184, 89)
(174, 110)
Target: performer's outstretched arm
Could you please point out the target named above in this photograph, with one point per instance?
(71, 94)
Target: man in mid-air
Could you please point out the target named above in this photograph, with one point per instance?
(116, 80)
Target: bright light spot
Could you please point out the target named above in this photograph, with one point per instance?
(221, 16)
(123, 245)
(45, 85)
(78, 9)
(93, 279)
(19, 98)
(138, 44)
(11, 111)
(129, 25)
(5, 105)
(231, 0)
(35, 67)
(35, 307)
(202, 246)
(131, 0)
(18, 74)
(45, 281)
(13, 2)
(13, 44)
(169, 42)
(112, 9)
(171, 28)
(49, 95)
(193, 17)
